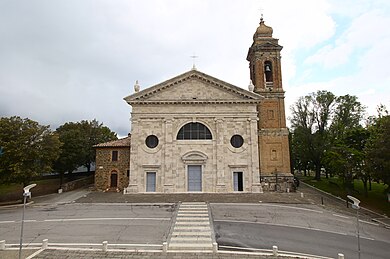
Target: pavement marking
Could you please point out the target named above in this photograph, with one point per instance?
(82, 219)
(35, 254)
(97, 219)
(368, 222)
(9, 221)
(340, 216)
(291, 207)
(100, 244)
(369, 238)
(270, 205)
(262, 251)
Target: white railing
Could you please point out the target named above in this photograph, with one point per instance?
(106, 247)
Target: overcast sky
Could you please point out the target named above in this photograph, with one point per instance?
(75, 60)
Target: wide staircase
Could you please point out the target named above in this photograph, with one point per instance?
(192, 230)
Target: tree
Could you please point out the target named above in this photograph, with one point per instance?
(72, 154)
(347, 157)
(300, 154)
(29, 149)
(78, 140)
(348, 115)
(95, 133)
(347, 139)
(378, 149)
(302, 124)
(311, 116)
(323, 102)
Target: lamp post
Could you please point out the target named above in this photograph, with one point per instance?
(355, 206)
(26, 194)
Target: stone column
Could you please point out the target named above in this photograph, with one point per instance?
(220, 166)
(254, 160)
(168, 157)
(134, 168)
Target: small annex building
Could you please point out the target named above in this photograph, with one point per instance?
(112, 164)
(197, 133)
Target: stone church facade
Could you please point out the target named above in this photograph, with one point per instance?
(197, 133)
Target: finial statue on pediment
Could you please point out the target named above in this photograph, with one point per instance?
(251, 87)
(136, 86)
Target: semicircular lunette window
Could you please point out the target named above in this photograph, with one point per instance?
(194, 131)
(237, 141)
(151, 141)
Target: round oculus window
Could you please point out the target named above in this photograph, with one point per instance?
(151, 141)
(237, 141)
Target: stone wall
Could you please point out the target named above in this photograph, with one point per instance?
(69, 186)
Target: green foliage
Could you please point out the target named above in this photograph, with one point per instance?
(94, 133)
(78, 140)
(71, 155)
(327, 133)
(29, 149)
(324, 128)
(311, 116)
(376, 200)
(378, 149)
(348, 113)
(346, 157)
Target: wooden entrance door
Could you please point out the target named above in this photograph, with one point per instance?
(114, 180)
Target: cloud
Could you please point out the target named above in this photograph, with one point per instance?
(71, 60)
(365, 32)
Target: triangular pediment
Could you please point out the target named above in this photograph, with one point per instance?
(193, 87)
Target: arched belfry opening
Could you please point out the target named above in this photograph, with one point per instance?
(268, 71)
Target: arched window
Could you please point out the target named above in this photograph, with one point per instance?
(194, 131)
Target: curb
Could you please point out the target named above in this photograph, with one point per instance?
(341, 199)
(16, 205)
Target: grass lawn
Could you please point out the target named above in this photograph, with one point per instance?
(13, 192)
(376, 200)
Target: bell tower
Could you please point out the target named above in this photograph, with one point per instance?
(266, 75)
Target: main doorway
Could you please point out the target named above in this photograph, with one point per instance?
(238, 182)
(194, 178)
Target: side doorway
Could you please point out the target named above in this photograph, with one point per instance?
(150, 181)
(238, 182)
(114, 179)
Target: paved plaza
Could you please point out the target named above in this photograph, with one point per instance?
(252, 220)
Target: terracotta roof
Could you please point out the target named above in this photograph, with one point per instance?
(123, 142)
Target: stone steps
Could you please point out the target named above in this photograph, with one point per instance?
(191, 231)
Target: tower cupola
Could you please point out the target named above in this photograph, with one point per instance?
(264, 60)
(263, 31)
